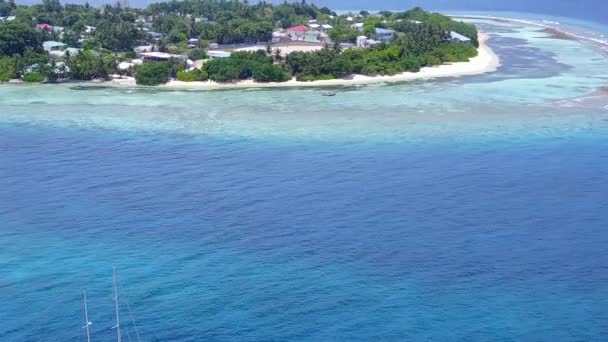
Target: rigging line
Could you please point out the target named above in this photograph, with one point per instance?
(128, 334)
(130, 312)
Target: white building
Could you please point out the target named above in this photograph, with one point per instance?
(357, 26)
(456, 37)
(160, 57)
(362, 41)
(326, 27)
(53, 46)
(218, 54)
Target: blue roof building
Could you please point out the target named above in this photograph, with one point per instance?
(384, 35)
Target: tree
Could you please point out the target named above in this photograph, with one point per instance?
(151, 74)
(8, 68)
(278, 55)
(16, 36)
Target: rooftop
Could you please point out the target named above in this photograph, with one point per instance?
(161, 55)
(52, 43)
(458, 36)
(381, 30)
(44, 26)
(298, 28)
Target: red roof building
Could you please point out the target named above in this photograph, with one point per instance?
(44, 27)
(300, 28)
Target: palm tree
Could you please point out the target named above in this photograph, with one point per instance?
(277, 55)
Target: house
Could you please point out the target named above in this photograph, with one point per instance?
(143, 48)
(45, 27)
(73, 52)
(384, 35)
(314, 26)
(89, 29)
(279, 37)
(312, 36)
(456, 37)
(155, 35)
(53, 46)
(326, 27)
(160, 57)
(362, 41)
(357, 26)
(218, 54)
(349, 19)
(297, 32)
(193, 42)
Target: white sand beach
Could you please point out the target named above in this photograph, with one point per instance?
(486, 61)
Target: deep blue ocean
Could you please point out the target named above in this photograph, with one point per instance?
(248, 240)
(470, 209)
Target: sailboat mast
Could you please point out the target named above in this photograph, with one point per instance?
(117, 326)
(86, 317)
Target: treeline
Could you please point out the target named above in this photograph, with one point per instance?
(405, 22)
(120, 29)
(239, 66)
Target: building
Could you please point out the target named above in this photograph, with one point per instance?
(279, 37)
(297, 32)
(456, 37)
(155, 35)
(193, 42)
(45, 27)
(73, 52)
(312, 36)
(326, 27)
(384, 35)
(218, 54)
(362, 41)
(160, 57)
(53, 46)
(143, 48)
(357, 26)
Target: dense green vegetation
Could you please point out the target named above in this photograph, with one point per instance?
(33, 77)
(244, 65)
(106, 36)
(151, 74)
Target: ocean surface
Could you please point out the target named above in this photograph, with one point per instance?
(464, 209)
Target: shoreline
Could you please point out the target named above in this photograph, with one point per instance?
(485, 62)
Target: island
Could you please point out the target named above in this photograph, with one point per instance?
(211, 43)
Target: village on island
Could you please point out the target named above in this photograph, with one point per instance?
(221, 41)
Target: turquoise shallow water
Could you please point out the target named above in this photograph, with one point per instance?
(467, 209)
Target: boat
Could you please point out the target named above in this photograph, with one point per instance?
(88, 323)
(328, 93)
